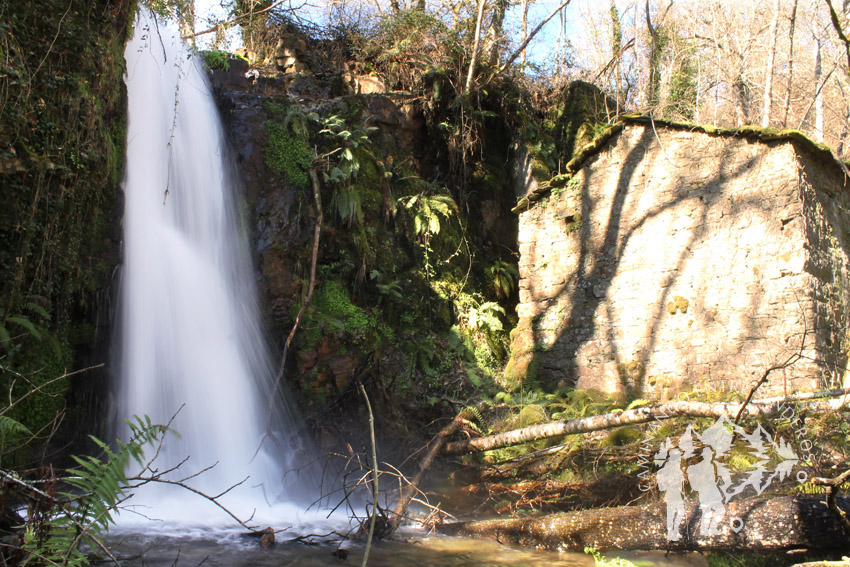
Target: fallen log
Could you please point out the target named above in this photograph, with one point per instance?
(764, 524)
(768, 407)
(400, 509)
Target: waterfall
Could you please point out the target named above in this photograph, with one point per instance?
(191, 330)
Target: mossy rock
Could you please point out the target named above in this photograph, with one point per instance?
(622, 436)
(287, 154)
(529, 415)
(522, 363)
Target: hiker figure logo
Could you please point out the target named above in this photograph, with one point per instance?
(710, 478)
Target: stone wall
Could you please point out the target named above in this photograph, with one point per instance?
(676, 260)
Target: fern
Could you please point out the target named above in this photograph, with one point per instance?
(12, 428)
(504, 277)
(427, 211)
(485, 318)
(477, 423)
(98, 488)
(473, 412)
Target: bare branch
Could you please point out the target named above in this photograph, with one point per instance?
(832, 485)
(525, 43)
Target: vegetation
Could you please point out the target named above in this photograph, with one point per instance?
(217, 60)
(62, 109)
(417, 274)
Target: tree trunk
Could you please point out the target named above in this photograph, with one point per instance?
(773, 524)
(654, 85)
(742, 99)
(769, 66)
(474, 61)
(792, 26)
(616, 50)
(494, 32)
(758, 408)
(524, 25)
(818, 132)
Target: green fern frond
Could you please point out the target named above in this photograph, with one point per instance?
(12, 428)
(38, 309)
(97, 487)
(24, 322)
(473, 412)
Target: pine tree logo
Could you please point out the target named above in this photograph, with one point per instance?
(699, 459)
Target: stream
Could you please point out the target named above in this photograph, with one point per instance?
(231, 549)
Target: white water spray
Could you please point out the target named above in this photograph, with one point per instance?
(191, 335)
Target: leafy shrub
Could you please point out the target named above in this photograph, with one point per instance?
(217, 60)
(408, 44)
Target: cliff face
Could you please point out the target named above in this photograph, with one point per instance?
(675, 261)
(62, 113)
(404, 296)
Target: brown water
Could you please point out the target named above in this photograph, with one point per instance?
(233, 550)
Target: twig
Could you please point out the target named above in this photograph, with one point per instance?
(374, 475)
(832, 485)
(52, 43)
(317, 197)
(618, 55)
(35, 389)
(145, 480)
(409, 491)
(836, 23)
(235, 19)
(788, 362)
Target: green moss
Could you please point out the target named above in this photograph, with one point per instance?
(287, 154)
(332, 312)
(540, 170)
(590, 136)
(216, 60)
(622, 436)
(42, 362)
(529, 415)
(62, 147)
(759, 559)
(633, 371)
(522, 363)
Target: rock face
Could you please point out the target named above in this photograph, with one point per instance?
(283, 214)
(677, 260)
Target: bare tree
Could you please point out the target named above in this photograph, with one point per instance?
(792, 24)
(769, 66)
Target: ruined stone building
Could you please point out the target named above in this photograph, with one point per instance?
(671, 259)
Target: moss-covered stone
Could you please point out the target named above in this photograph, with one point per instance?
(522, 363)
(287, 154)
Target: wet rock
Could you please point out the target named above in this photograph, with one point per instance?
(267, 539)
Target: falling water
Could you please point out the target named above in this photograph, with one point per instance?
(191, 332)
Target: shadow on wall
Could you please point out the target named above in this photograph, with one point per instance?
(677, 260)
